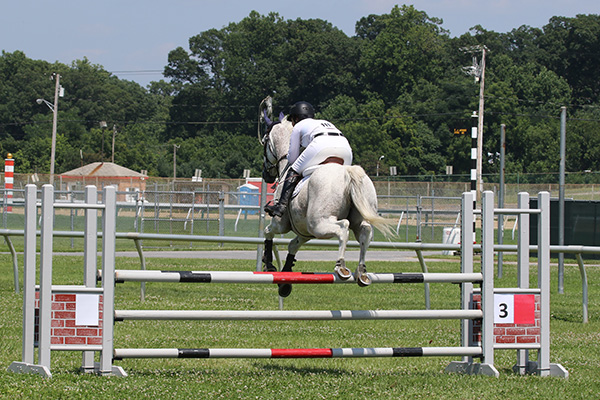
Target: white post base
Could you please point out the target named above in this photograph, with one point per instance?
(26, 368)
(463, 367)
(115, 371)
(532, 369)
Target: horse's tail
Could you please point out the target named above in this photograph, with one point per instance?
(360, 186)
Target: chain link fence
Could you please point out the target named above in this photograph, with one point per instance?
(420, 211)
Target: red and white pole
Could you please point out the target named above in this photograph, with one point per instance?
(9, 171)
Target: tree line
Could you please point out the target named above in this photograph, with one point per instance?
(396, 88)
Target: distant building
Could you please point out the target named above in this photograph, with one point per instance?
(101, 174)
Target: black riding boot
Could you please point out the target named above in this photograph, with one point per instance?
(291, 180)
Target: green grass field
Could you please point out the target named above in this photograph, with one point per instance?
(574, 345)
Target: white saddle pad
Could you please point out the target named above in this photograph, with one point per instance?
(300, 185)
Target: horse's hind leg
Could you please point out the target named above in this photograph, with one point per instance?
(365, 231)
(332, 227)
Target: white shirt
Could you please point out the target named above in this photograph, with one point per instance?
(304, 132)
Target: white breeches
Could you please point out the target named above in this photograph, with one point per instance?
(319, 150)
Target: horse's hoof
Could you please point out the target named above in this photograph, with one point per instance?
(342, 271)
(363, 280)
(285, 289)
(361, 276)
(269, 268)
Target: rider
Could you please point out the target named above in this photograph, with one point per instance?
(313, 142)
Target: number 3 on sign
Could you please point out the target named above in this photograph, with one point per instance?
(504, 309)
(514, 309)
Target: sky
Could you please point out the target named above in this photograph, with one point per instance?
(132, 38)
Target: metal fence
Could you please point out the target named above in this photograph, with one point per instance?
(219, 213)
(163, 210)
(419, 210)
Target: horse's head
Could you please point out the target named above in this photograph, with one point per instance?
(269, 124)
(276, 142)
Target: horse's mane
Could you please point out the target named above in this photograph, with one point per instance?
(285, 125)
(285, 121)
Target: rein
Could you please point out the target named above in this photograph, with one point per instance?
(271, 160)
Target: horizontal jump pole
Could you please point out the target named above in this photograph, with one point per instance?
(286, 277)
(119, 354)
(283, 315)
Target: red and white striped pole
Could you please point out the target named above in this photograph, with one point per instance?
(9, 171)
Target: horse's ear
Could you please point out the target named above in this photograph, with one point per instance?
(267, 120)
(281, 116)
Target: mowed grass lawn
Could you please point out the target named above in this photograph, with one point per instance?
(574, 345)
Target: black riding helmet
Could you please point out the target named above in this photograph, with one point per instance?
(302, 110)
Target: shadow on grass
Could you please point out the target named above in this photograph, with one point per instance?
(338, 372)
(292, 369)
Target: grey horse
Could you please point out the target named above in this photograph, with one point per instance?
(334, 200)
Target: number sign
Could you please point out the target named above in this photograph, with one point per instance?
(514, 309)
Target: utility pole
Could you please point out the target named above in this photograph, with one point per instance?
(478, 71)
(58, 92)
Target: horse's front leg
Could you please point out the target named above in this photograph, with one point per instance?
(267, 258)
(285, 288)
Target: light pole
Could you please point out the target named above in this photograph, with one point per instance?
(378, 161)
(478, 71)
(54, 108)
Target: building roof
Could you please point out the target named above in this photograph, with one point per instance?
(103, 170)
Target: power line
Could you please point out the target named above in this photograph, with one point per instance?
(139, 72)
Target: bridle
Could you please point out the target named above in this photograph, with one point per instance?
(270, 160)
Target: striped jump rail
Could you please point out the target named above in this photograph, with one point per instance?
(285, 277)
(291, 315)
(119, 354)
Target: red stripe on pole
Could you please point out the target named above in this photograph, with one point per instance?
(9, 168)
(524, 309)
(299, 277)
(301, 353)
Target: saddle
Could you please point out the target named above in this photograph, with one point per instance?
(334, 160)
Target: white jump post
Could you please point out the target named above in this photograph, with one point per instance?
(497, 323)
(521, 366)
(66, 312)
(90, 245)
(486, 365)
(543, 366)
